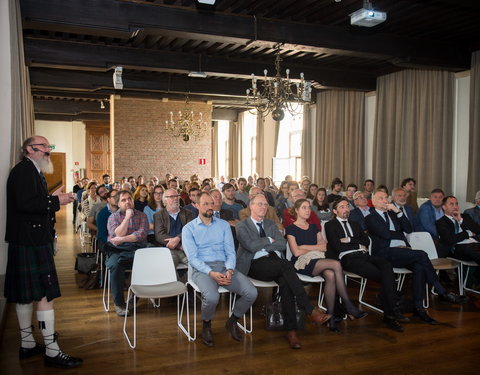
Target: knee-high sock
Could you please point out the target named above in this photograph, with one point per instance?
(24, 315)
(46, 321)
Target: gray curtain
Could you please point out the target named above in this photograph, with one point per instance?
(259, 151)
(22, 102)
(214, 135)
(235, 148)
(308, 145)
(339, 149)
(473, 182)
(414, 129)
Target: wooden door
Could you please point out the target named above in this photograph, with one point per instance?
(58, 177)
(97, 150)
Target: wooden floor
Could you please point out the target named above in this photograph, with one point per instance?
(363, 347)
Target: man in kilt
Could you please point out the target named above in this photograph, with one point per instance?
(31, 274)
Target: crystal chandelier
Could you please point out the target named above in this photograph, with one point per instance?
(185, 125)
(279, 93)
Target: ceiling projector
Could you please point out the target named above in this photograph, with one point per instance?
(367, 17)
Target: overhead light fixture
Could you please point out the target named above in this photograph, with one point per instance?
(102, 106)
(185, 125)
(197, 74)
(117, 78)
(367, 16)
(207, 2)
(279, 93)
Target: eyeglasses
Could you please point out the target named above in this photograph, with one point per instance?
(42, 144)
(171, 196)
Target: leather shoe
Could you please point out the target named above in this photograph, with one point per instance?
(24, 353)
(359, 314)
(318, 317)
(453, 298)
(293, 340)
(62, 360)
(232, 327)
(391, 323)
(422, 314)
(207, 335)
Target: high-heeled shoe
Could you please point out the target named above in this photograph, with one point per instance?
(357, 314)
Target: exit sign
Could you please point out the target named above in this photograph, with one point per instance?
(202, 161)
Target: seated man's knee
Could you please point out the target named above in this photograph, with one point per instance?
(211, 298)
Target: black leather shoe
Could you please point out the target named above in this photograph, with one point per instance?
(422, 314)
(391, 323)
(24, 353)
(399, 317)
(207, 335)
(232, 327)
(453, 298)
(62, 360)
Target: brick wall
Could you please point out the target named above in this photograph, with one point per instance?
(142, 147)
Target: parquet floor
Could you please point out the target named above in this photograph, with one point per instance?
(363, 347)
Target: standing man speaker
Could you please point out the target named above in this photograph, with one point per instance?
(31, 274)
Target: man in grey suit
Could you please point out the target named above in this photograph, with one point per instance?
(259, 256)
(474, 212)
(168, 224)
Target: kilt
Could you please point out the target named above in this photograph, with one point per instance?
(31, 274)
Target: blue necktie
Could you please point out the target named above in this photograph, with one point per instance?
(457, 227)
(262, 232)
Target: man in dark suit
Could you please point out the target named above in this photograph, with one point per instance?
(260, 257)
(168, 224)
(474, 212)
(399, 199)
(348, 243)
(31, 274)
(361, 209)
(459, 232)
(220, 212)
(386, 225)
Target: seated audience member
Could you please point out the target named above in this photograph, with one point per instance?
(399, 199)
(155, 204)
(348, 243)
(194, 179)
(76, 188)
(106, 182)
(305, 183)
(102, 219)
(208, 244)
(220, 212)
(233, 181)
(308, 257)
(271, 214)
(409, 185)
(368, 187)
(221, 183)
(429, 212)
(193, 194)
(126, 186)
(132, 182)
(90, 198)
(361, 210)
(260, 257)
(184, 193)
(289, 218)
(140, 197)
(116, 185)
(250, 183)
(261, 184)
(140, 180)
(102, 193)
(127, 232)
(168, 177)
(351, 190)
(270, 186)
(287, 202)
(229, 202)
(150, 186)
(169, 223)
(459, 233)
(320, 205)
(336, 190)
(206, 185)
(474, 212)
(241, 194)
(282, 192)
(386, 226)
(155, 180)
(312, 192)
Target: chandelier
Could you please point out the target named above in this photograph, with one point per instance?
(279, 93)
(185, 125)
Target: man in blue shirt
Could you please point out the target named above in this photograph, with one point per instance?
(102, 218)
(208, 243)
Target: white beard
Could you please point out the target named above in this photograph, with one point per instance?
(45, 165)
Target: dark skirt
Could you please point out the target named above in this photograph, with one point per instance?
(308, 270)
(31, 274)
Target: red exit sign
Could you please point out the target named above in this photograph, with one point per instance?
(202, 161)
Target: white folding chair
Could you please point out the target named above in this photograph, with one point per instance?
(196, 289)
(153, 276)
(311, 280)
(361, 292)
(106, 289)
(462, 280)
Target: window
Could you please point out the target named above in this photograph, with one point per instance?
(249, 141)
(222, 142)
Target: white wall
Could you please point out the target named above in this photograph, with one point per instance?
(68, 137)
(5, 124)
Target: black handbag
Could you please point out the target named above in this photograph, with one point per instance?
(274, 316)
(84, 262)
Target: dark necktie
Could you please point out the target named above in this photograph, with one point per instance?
(457, 227)
(387, 218)
(262, 232)
(44, 181)
(344, 222)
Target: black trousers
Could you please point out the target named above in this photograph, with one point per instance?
(273, 268)
(377, 269)
(468, 252)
